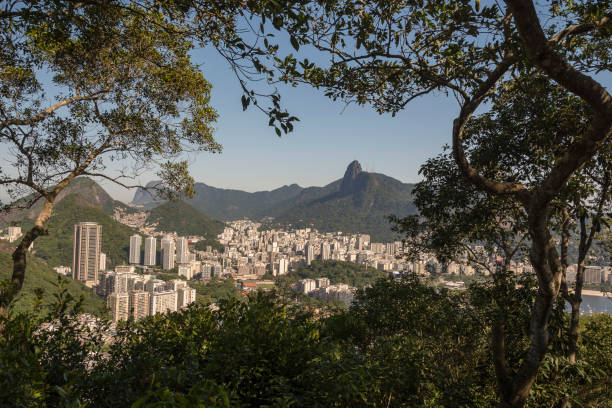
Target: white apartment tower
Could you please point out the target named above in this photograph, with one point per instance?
(135, 245)
(167, 248)
(119, 305)
(182, 250)
(325, 251)
(283, 266)
(309, 253)
(87, 243)
(150, 251)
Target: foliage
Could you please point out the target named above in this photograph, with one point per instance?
(40, 285)
(179, 217)
(350, 273)
(400, 344)
(214, 291)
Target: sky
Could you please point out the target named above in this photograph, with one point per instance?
(327, 138)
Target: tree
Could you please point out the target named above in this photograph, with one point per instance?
(86, 84)
(389, 53)
(454, 214)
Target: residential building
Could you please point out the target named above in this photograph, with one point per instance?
(119, 305)
(182, 250)
(135, 245)
(162, 302)
(150, 251)
(168, 256)
(87, 242)
(139, 304)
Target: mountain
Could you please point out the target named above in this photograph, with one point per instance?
(184, 219)
(227, 204)
(358, 202)
(41, 275)
(83, 190)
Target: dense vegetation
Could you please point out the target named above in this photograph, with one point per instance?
(184, 220)
(41, 284)
(337, 271)
(56, 248)
(215, 291)
(401, 344)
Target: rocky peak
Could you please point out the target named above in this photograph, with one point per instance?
(350, 176)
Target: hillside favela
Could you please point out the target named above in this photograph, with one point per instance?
(306, 204)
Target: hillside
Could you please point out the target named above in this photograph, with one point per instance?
(84, 190)
(358, 202)
(184, 219)
(40, 275)
(56, 248)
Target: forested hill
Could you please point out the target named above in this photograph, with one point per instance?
(182, 218)
(56, 248)
(41, 276)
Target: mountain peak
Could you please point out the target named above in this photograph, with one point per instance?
(350, 175)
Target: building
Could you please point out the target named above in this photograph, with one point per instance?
(135, 244)
(14, 232)
(162, 302)
(309, 254)
(306, 285)
(185, 270)
(182, 251)
(87, 242)
(593, 275)
(185, 296)
(283, 266)
(167, 248)
(139, 304)
(119, 305)
(102, 261)
(322, 282)
(150, 251)
(325, 251)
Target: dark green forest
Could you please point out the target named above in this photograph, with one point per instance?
(401, 344)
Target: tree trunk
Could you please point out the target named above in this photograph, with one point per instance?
(546, 263)
(20, 255)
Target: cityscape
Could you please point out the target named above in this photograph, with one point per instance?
(306, 204)
(253, 258)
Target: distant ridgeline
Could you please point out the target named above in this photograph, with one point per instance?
(358, 202)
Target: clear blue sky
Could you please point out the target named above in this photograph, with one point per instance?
(327, 138)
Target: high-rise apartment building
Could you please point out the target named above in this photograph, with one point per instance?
(162, 302)
(283, 266)
(185, 296)
(119, 305)
(87, 243)
(139, 304)
(167, 248)
(325, 251)
(182, 251)
(135, 245)
(150, 251)
(309, 254)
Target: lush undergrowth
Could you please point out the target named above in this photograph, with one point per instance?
(401, 344)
